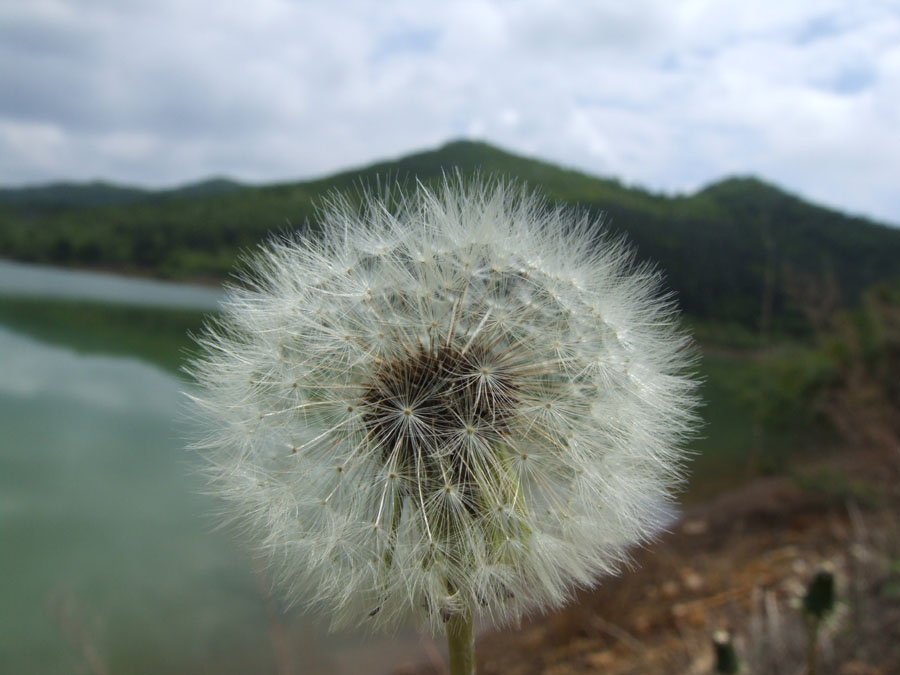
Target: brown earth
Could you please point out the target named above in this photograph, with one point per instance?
(739, 562)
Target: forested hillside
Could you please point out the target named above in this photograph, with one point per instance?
(738, 252)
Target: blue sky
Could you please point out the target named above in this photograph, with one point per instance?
(666, 95)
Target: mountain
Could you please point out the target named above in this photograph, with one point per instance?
(736, 251)
(60, 196)
(71, 195)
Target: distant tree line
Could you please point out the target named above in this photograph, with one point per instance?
(733, 252)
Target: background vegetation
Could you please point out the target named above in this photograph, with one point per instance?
(737, 253)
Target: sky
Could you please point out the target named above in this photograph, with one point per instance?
(662, 94)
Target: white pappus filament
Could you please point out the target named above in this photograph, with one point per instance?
(467, 402)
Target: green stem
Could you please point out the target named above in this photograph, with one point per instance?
(461, 644)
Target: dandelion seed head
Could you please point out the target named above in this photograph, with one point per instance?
(467, 403)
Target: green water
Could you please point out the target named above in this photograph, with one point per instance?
(102, 524)
(109, 553)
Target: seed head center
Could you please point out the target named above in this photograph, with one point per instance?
(442, 389)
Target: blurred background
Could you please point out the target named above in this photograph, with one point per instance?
(750, 150)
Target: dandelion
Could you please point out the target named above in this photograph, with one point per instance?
(464, 406)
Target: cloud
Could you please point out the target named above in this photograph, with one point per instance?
(667, 95)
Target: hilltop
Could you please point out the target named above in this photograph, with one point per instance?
(740, 251)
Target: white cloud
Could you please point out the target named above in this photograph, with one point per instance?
(668, 95)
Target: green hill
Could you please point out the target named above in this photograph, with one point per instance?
(68, 195)
(736, 251)
(60, 196)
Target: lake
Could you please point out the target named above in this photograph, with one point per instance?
(109, 556)
(43, 281)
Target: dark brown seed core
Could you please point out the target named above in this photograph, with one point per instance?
(424, 409)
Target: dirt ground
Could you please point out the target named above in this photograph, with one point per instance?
(739, 562)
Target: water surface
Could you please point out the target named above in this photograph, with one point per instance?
(109, 557)
(43, 281)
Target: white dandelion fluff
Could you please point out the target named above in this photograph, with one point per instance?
(465, 405)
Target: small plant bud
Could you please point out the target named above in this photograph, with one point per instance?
(726, 656)
(820, 595)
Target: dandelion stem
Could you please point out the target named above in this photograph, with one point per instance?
(461, 643)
